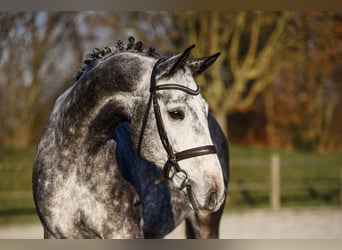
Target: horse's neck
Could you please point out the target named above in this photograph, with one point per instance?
(87, 117)
(100, 101)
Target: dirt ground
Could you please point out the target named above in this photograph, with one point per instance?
(256, 224)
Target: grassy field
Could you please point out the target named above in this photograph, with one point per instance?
(307, 179)
(16, 202)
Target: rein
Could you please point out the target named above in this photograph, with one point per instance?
(173, 157)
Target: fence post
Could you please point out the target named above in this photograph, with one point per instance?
(275, 182)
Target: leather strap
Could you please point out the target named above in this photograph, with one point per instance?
(193, 152)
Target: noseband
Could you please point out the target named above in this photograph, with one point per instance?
(173, 157)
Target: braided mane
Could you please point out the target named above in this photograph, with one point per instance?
(97, 55)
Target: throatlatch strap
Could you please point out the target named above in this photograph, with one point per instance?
(149, 103)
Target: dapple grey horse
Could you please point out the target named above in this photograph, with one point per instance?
(130, 150)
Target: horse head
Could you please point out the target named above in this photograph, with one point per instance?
(169, 127)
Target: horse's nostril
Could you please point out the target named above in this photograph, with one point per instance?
(212, 200)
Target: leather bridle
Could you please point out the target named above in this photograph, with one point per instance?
(173, 157)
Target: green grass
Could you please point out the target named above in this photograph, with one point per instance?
(307, 179)
(16, 202)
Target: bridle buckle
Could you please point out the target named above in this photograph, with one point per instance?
(180, 179)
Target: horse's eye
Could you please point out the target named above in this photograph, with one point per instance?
(176, 114)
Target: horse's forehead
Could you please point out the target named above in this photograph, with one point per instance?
(182, 77)
(195, 103)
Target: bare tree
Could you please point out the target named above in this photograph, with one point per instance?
(37, 51)
(247, 42)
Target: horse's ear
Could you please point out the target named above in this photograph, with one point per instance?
(172, 64)
(199, 65)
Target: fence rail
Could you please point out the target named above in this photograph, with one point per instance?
(281, 178)
(300, 178)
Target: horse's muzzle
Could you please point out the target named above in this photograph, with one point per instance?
(211, 204)
(211, 201)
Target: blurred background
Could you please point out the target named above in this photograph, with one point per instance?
(276, 90)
